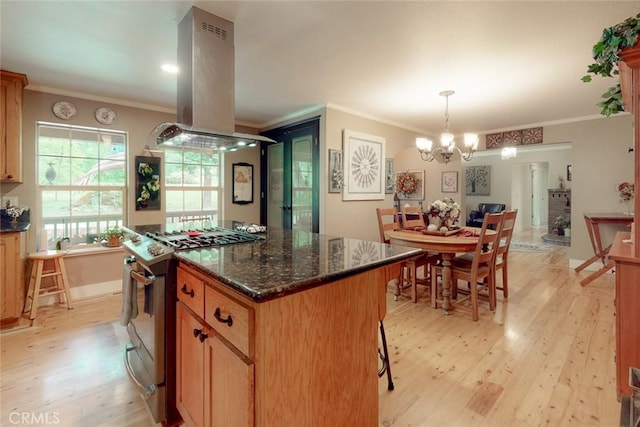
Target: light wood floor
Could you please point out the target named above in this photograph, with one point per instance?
(545, 357)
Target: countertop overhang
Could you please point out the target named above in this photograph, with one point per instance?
(289, 261)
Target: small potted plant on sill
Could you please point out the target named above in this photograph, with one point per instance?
(113, 237)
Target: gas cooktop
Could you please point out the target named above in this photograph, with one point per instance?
(156, 246)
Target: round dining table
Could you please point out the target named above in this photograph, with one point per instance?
(465, 240)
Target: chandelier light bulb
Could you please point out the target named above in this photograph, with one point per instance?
(447, 141)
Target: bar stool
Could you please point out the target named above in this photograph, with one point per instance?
(59, 274)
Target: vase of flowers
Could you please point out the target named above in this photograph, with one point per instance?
(15, 212)
(446, 211)
(625, 195)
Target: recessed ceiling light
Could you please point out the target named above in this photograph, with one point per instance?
(170, 68)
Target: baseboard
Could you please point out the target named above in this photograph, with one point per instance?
(87, 291)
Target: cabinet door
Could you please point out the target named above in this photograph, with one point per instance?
(229, 385)
(11, 126)
(10, 277)
(189, 367)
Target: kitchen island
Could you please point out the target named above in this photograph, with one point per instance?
(283, 331)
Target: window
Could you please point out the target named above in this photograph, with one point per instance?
(81, 181)
(192, 181)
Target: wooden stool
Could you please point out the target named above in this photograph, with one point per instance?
(59, 273)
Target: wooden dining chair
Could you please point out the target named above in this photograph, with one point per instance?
(478, 268)
(502, 257)
(412, 218)
(388, 221)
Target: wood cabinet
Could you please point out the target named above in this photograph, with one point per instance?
(306, 358)
(627, 311)
(11, 126)
(214, 379)
(12, 254)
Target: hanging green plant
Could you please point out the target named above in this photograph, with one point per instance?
(606, 54)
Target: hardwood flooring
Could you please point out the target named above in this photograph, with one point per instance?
(545, 357)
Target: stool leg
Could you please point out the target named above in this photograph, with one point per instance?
(32, 282)
(36, 290)
(65, 283)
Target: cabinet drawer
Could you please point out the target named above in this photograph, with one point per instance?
(191, 291)
(229, 318)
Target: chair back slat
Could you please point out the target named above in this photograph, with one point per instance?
(487, 247)
(387, 221)
(508, 224)
(412, 217)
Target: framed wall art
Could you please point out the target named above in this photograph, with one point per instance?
(147, 183)
(449, 182)
(336, 171)
(242, 183)
(390, 178)
(478, 180)
(363, 166)
(409, 185)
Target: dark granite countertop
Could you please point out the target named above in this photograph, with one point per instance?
(13, 227)
(290, 261)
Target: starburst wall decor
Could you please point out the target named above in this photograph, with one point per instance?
(363, 166)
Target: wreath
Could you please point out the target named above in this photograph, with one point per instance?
(407, 183)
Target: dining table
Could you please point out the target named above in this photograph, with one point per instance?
(448, 245)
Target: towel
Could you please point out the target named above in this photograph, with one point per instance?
(129, 297)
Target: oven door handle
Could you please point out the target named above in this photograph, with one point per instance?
(141, 278)
(148, 390)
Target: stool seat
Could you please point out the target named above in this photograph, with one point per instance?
(59, 275)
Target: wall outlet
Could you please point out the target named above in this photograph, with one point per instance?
(12, 200)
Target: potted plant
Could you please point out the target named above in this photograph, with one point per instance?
(606, 54)
(113, 237)
(562, 224)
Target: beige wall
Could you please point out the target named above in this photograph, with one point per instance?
(599, 157)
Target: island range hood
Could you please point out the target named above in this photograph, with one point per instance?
(206, 87)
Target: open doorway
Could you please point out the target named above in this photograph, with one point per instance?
(529, 183)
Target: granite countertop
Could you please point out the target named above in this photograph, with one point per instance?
(13, 227)
(289, 261)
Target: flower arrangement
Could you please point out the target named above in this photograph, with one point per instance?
(407, 183)
(16, 211)
(444, 208)
(625, 192)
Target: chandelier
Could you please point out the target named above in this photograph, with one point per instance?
(447, 144)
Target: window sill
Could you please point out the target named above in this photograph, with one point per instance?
(82, 250)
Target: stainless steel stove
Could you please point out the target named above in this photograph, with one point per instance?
(149, 298)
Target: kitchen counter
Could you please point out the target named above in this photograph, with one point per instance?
(289, 261)
(13, 227)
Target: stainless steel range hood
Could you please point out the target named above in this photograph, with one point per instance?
(206, 87)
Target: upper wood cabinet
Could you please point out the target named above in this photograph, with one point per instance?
(11, 126)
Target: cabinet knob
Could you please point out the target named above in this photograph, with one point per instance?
(197, 332)
(203, 337)
(9, 176)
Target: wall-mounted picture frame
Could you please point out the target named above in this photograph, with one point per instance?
(409, 185)
(478, 180)
(389, 176)
(363, 166)
(449, 182)
(147, 183)
(569, 172)
(336, 171)
(242, 183)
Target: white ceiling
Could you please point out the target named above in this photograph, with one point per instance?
(512, 64)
